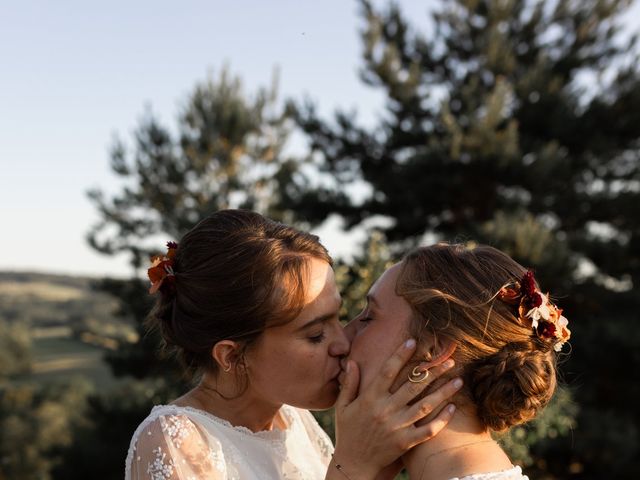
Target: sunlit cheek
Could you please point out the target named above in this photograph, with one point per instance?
(369, 366)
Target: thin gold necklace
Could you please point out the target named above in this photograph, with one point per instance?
(424, 465)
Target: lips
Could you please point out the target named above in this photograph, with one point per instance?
(336, 376)
(343, 364)
(342, 373)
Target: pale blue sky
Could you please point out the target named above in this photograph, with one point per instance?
(76, 72)
(73, 73)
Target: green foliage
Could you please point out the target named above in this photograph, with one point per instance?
(15, 350)
(533, 439)
(139, 359)
(36, 422)
(355, 278)
(42, 302)
(523, 236)
(100, 444)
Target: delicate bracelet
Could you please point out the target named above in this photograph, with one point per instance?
(339, 468)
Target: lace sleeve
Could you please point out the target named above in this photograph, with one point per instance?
(171, 447)
(319, 438)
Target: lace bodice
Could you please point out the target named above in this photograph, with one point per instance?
(183, 443)
(514, 473)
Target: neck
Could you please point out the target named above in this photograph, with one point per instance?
(245, 410)
(464, 447)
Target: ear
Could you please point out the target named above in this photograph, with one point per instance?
(226, 353)
(439, 350)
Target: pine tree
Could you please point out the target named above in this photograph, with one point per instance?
(514, 123)
(228, 153)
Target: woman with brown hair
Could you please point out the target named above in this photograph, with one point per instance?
(479, 307)
(251, 306)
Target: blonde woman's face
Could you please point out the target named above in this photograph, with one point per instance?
(380, 328)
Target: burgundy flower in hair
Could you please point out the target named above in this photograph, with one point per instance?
(528, 284)
(536, 311)
(546, 329)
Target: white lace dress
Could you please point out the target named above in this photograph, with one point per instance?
(514, 473)
(183, 443)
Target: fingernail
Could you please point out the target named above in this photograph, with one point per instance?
(348, 367)
(448, 364)
(451, 408)
(457, 382)
(410, 343)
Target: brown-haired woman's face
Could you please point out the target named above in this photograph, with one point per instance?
(380, 328)
(298, 363)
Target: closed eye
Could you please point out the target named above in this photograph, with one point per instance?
(317, 338)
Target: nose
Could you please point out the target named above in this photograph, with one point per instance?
(341, 344)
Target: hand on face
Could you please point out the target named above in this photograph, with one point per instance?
(376, 427)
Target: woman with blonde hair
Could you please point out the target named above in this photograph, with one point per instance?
(484, 310)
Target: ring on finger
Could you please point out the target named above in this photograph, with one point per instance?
(418, 376)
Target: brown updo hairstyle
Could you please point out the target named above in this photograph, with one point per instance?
(509, 373)
(236, 274)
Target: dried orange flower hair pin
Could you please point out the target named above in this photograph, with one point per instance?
(161, 272)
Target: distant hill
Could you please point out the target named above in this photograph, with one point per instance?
(43, 301)
(71, 324)
(43, 286)
(25, 277)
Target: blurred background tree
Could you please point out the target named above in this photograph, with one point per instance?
(36, 421)
(15, 350)
(514, 123)
(227, 153)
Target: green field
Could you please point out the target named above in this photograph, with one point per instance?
(69, 324)
(63, 358)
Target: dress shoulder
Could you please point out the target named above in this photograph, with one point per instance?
(169, 445)
(514, 473)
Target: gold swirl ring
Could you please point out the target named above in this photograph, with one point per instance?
(417, 376)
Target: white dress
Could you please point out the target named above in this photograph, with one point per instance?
(514, 473)
(184, 443)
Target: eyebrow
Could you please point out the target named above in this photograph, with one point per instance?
(321, 318)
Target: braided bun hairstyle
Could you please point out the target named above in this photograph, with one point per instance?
(511, 386)
(509, 372)
(235, 274)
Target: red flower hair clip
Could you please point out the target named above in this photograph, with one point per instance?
(536, 311)
(161, 272)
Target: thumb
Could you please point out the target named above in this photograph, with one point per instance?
(349, 390)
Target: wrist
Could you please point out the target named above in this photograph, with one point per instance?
(350, 470)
